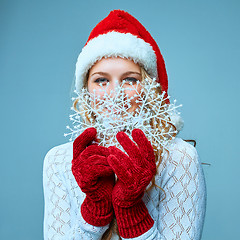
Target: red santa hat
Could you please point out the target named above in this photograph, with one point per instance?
(121, 35)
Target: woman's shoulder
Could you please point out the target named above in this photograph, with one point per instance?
(178, 145)
(59, 154)
(180, 156)
(181, 165)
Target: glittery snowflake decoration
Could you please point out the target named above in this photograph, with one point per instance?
(110, 111)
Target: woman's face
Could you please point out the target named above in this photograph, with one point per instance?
(109, 74)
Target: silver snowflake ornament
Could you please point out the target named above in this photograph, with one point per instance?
(110, 111)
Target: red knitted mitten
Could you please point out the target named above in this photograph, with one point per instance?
(134, 172)
(95, 178)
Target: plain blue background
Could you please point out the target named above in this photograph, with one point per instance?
(40, 42)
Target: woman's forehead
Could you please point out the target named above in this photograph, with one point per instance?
(114, 64)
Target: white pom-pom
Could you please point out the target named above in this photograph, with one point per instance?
(177, 121)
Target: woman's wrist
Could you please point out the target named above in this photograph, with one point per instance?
(97, 213)
(133, 221)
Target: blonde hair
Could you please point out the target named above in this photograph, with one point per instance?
(165, 125)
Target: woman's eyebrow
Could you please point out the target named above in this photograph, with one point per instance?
(130, 72)
(102, 73)
(124, 74)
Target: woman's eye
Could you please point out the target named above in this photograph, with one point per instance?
(131, 80)
(101, 80)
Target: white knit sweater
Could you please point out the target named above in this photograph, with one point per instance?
(178, 211)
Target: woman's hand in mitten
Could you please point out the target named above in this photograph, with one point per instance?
(95, 178)
(134, 171)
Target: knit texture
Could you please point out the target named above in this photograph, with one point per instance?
(133, 221)
(95, 178)
(178, 212)
(134, 172)
(98, 213)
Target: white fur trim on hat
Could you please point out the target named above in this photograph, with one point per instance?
(115, 44)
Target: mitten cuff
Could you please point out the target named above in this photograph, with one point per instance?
(133, 221)
(97, 213)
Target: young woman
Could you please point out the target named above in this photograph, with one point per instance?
(126, 175)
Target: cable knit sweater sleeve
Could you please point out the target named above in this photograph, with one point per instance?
(179, 208)
(63, 198)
